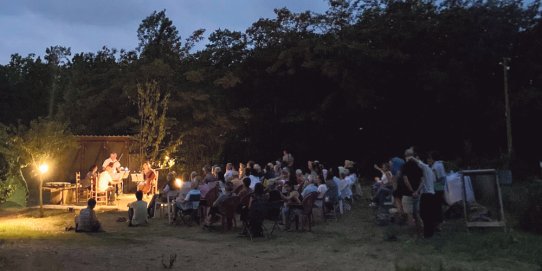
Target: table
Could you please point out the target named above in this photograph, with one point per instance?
(59, 192)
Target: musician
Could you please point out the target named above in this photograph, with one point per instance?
(149, 178)
(112, 159)
(103, 182)
(91, 177)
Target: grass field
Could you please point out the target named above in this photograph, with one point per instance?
(352, 243)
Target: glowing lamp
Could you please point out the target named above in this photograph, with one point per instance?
(178, 182)
(43, 168)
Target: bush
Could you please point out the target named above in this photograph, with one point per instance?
(531, 219)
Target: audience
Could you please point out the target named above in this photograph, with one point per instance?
(87, 221)
(416, 188)
(137, 211)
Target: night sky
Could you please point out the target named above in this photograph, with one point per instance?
(28, 26)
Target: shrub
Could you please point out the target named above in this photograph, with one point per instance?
(531, 219)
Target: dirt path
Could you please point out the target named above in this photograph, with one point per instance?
(353, 243)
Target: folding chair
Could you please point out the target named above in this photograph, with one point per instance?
(193, 202)
(274, 214)
(227, 212)
(169, 204)
(207, 202)
(306, 213)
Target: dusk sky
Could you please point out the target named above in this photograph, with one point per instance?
(28, 26)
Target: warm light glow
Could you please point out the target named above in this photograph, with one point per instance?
(178, 182)
(167, 157)
(43, 168)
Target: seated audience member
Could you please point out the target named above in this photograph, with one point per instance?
(386, 186)
(291, 201)
(269, 173)
(300, 178)
(332, 194)
(184, 203)
(215, 209)
(251, 173)
(162, 196)
(274, 193)
(207, 183)
(245, 191)
(277, 170)
(257, 210)
(228, 175)
(322, 189)
(309, 188)
(242, 172)
(235, 179)
(284, 177)
(87, 221)
(137, 210)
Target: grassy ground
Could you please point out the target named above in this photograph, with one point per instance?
(352, 243)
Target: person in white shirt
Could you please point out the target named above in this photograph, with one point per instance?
(322, 189)
(254, 179)
(103, 182)
(112, 159)
(115, 173)
(137, 211)
(228, 175)
(428, 203)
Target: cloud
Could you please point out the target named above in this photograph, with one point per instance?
(86, 26)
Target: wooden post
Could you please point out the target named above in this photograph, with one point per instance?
(41, 195)
(506, 67)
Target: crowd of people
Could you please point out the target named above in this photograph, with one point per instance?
(412, 185)
(276, 186)
(415, 187)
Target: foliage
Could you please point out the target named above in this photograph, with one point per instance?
(363, 80)
(531, 218)
(43, 141)
(153, 106)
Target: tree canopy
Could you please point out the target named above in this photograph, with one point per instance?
(364, 80)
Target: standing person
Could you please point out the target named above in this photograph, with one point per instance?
(87, 221)
(288, 159)
(440, 174)
(137, 211)
(428, 206)
(412, 178)
(396, 164)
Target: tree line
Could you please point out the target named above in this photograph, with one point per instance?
(362, 81)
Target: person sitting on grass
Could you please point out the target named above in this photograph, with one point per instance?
(87, 221)
(137, 211)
